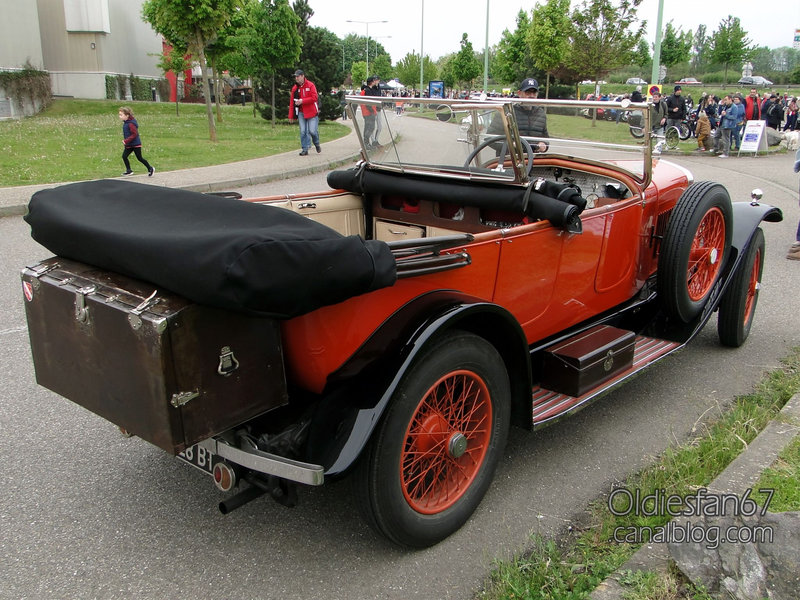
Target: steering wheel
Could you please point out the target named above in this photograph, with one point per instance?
(501, 138)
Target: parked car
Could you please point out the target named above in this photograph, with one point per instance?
(393, 327)
(635, 81)
(689, 81)
(755, 80)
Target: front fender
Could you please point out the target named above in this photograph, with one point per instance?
(746, 217)
(357, 394)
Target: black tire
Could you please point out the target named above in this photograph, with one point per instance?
(694, 249)
(684, 131)
(738, 304)
(429, 463)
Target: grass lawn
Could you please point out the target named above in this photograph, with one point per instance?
(572, 568)
(75, 140)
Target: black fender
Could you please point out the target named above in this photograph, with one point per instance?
(357, 394)
(747, 216)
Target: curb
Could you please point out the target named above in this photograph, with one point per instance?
(739, 475)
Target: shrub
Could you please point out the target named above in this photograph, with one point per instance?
(27, 83)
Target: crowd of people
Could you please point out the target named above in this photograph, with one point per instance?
(718, 123)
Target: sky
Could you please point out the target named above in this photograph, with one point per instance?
(444, 23)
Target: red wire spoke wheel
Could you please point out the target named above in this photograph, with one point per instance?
(705, 256)
(446, 442)
(738, 304)
(434, 453)
(695, 247)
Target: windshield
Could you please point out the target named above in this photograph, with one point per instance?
(499, 139)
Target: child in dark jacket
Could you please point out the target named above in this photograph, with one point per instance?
(132, 141)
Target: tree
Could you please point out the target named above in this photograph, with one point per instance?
(193, 26)
(513, 61)
(445, 68)
(548, 37)
(358, 72)
(407, 70)
(320, 58)
(602, 39)
(264, 39)
(465, 66)
(700, 49)
(676, 47)
(762, 59)
(642, 57)
(729, 44)
(175, 62)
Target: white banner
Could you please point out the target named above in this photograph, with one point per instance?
(754, 139)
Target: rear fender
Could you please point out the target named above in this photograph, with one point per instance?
(358, 393)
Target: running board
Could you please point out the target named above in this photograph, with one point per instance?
(549, 406)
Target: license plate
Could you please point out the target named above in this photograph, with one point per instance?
(199, 457)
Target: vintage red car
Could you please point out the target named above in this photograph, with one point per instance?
(393, 327)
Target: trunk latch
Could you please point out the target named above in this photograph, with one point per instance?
(81, 310)
(227, 362)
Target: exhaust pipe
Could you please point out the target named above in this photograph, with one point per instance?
(240, 499)
(282, 491)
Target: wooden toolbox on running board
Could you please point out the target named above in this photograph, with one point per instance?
(161, 367)
(584, 361)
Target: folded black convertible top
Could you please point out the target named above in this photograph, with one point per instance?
(257, 259)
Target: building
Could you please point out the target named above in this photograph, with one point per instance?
(79, 42)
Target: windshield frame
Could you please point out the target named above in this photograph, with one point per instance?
(503, 109)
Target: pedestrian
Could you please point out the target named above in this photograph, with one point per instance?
(752, 106)
(658, 114)
(703, 132)
(304, 106)
(132, 141)
(676, 108)
(791, 115)
(531, 119)
(370, 112)
(738, 107)
(773, 112)
(636, 96)
(794, 251)
(728, 117)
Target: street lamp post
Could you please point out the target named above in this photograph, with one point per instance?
(486, 54)
(367, 23)
(421, 53)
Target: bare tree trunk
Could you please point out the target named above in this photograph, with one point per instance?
(177, 89)
(273, 100)
(201, 55)
(217, 88)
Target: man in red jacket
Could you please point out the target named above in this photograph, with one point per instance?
(304, 106)
(752, 106)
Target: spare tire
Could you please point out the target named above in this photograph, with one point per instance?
(696, 245)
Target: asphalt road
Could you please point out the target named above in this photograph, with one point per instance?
(90, 514)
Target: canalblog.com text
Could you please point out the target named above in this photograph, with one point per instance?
(701, 504)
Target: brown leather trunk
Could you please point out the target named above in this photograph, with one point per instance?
(586, 360)
(162, 368)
